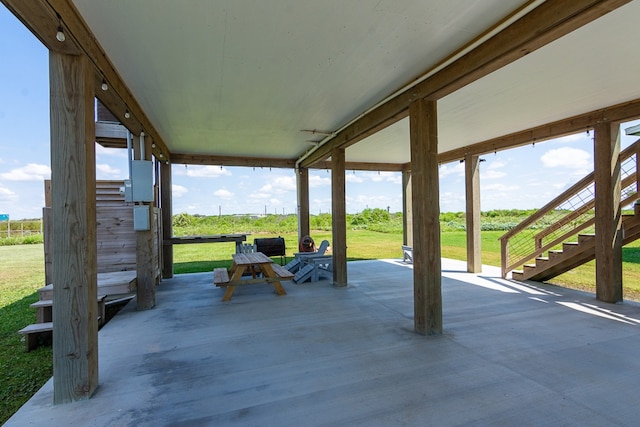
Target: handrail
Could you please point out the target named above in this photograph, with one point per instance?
(566, 215)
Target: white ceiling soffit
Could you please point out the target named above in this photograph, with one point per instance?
(588, 69)
(242, 78)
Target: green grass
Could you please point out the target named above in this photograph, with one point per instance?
(21, 373)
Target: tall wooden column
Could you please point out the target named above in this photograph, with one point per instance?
(427, 280)
(145, 261)
(166, 201)
(407, 209)
(472, 190)
(302, 181)
(339, 217)
(73, 205)
(608, 212)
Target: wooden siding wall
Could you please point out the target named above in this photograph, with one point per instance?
(116, 240)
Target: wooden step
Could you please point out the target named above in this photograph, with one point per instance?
(36, 333)
(586, 238)
(517, 275)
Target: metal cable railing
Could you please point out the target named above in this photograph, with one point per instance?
(566, 216)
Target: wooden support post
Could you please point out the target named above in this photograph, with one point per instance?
(146, 266)
(302, 185)
(407, 209)
(339, 217)
(608, 212)
(472, 190)
(427, 265)
(74, 247)
(167, 223)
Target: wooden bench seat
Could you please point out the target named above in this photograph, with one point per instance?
(220, 276)
(282, 272)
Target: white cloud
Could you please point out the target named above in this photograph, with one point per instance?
(30, 172)
(567, 157)
(207, 171)
(104, 170)
(451, 169)
(112, 152)
(393, 177)
(223, 194)
(318, 181)
(492, 174)
(281, 185)
(5, 191)
(178, 190)
(350, 177)
(499, 188)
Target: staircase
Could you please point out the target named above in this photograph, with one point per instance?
(561, 235)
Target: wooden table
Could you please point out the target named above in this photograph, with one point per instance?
(273, 273)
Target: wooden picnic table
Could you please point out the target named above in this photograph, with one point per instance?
(257, 261)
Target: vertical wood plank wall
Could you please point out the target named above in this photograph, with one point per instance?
(75, 330)
(427, 281)
(339, 217)
(608, 212)
(472, 194)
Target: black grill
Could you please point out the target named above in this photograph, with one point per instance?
(273, 246)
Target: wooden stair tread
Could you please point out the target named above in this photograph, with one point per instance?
(37, 327)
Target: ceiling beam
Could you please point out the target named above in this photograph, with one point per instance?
(256, 162)
(42, 18)
(362, 166)
(544, 24)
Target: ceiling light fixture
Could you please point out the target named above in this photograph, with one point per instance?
(318, 132)
(127, 114)
(60, 34)
(104, 85)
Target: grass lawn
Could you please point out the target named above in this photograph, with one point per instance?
(21, 373)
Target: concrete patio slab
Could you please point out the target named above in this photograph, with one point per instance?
(511, 354)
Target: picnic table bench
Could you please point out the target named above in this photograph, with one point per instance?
(271, 272)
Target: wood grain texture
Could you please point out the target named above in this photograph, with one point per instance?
(427, 280)
(75, 337)
(302, 186)
(472, 197)
(166, 215)
(608, 241)
(339, 217)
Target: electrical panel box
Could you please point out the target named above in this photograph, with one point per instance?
(141, 217)
(141, 181)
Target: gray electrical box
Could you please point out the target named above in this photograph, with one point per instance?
(141, 181)
(141, 217)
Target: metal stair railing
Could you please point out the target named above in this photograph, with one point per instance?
(570, 213)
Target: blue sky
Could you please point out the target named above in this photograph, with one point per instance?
(506, 183)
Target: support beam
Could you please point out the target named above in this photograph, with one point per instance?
(544, 24)
(427, 280)
(166, 204)
(262, 162)
(145, 261)
(73, 204)
(339, 218)
(407, 209)
(608, 212)
(472, 193)
(302, 185)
